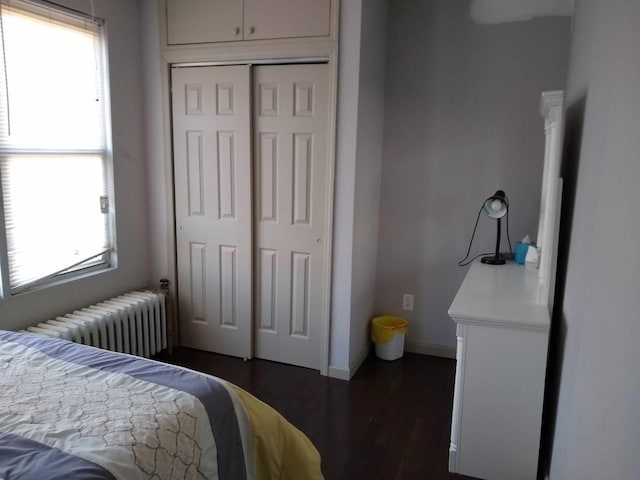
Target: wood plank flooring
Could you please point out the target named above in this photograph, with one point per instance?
(390, 422)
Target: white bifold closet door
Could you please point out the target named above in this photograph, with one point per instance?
(212, 162)
(251, 209)
(290, 172)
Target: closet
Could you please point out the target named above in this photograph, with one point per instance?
(251, 166)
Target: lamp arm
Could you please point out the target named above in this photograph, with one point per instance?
(498, 238)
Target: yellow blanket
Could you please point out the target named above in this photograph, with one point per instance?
(282, 452)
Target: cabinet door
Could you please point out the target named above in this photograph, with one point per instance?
(264, 19)
(203, 21)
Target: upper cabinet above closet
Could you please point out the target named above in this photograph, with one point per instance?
(211, 21)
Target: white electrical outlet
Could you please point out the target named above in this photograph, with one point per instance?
(407, 302)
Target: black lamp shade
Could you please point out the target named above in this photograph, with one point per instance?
(496, 205)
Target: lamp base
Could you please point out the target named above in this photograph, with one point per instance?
(493, 260)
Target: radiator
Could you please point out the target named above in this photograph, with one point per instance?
(135, 323)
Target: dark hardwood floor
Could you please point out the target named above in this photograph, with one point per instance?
(390, 422)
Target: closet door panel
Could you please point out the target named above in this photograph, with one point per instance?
(290, 168)
(212, 148)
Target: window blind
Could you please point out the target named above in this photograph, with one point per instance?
(54, 80)
(52, 142)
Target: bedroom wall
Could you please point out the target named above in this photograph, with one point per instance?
(345, 174)
(129, 180)
(157, 112)
(370, 132)
(360, 122)
(461, 121)
(594, 391)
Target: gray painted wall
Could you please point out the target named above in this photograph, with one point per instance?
(596, 393)
(344, 186)
(130, 181)
(368, 171)
(461, 122)
(159, 171)
(360, 128)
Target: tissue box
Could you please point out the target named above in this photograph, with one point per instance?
(520, 252)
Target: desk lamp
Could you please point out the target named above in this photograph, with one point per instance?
(496, 206)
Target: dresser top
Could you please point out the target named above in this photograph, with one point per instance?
(500, 295)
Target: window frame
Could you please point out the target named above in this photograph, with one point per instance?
(107, 260)
(5, 285)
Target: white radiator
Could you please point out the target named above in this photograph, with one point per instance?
(134, 323)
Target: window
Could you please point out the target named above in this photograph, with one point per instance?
(54, 163)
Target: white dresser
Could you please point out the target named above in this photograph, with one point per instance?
(502, 324)
(503, 335)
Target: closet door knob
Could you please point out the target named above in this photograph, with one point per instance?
(236, 31)
(251, 30)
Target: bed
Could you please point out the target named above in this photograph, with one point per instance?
(74, 411)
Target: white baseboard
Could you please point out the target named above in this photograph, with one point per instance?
(444, 351)
(342, 373)
(339, 372)
(355, 365)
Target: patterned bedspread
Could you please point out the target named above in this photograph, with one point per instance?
(72, 411)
